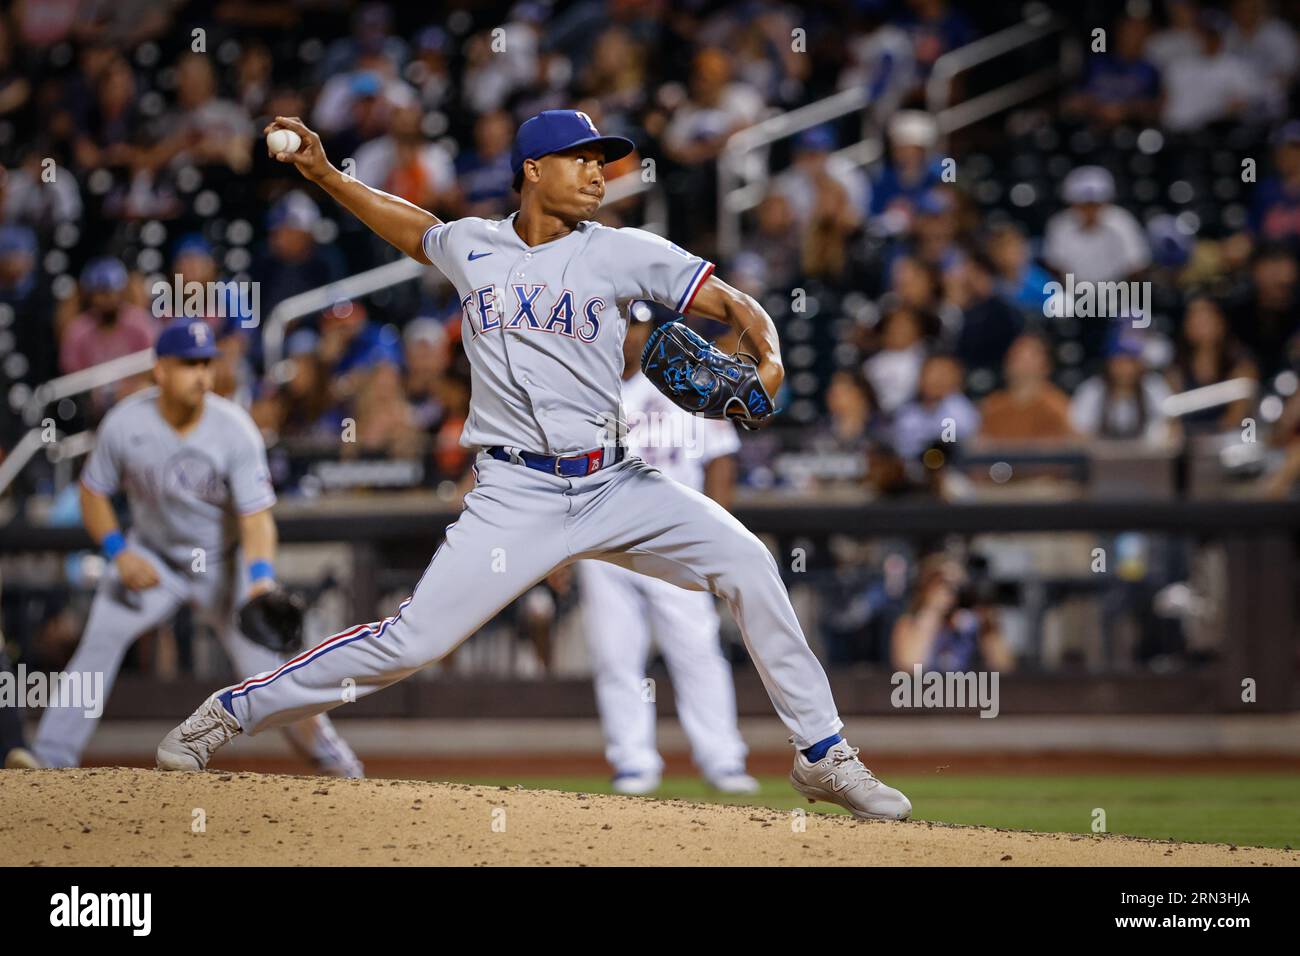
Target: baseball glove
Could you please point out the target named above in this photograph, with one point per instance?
(274, 620)
(699, 378)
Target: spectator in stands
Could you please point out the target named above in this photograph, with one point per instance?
(203, 130)
(932, 238)
(1268, 44)
(1095, 240)
(108, 328)
(1275, 209)
(1180, 39)
(425, 351)
(1263, 308)
(815, 179)
(27, 303)
(895, 371)
(372, 35)
(935, 28)
(402, 162)
(30, 200)
(916, 285)
(717, 107)
(451, 460)
(385, 420)
(430, 70)
(616, 75)
(1029, 408)
(486, 179)
(1020, 280)
(826, 197)
(1208, 353)
(912, 171)
(106, 135)
(776, 241)
(947, 628)
(15, 88)
(253, 74)
(940, 412)
(1121, 86)
(987, 322)
(1125, 400)
(880, 58)
(1211, 85)
(351, 344)
(854, 419)
(292, 261)
(296, 401)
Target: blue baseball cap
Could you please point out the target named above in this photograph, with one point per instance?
(552, 131)
(188, 339)
(105, 274)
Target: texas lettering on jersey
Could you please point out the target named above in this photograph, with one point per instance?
(535, 310)
(542, 325)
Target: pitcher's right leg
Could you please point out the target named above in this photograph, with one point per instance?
(509, 537)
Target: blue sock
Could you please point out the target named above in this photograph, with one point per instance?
(818, 750)
(226, 701)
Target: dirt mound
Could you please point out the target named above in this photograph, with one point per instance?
(120, 816)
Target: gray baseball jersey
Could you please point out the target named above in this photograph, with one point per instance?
(543, 325)
(185, 492)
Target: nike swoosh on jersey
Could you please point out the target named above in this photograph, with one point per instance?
(478, 255)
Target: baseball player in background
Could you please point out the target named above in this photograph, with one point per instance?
(623, 610)
(193, 468)
(544, 295)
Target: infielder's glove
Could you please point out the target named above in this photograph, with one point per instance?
(699, 378)
(274, 620)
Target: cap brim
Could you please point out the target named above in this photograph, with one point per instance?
(208, 352)
(614, 148)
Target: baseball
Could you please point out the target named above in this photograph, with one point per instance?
(283, 141)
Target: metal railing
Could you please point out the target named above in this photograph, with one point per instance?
(743, 167)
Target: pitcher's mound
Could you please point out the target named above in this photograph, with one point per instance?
(118, 816)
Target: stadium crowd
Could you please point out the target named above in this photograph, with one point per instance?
(910, 295)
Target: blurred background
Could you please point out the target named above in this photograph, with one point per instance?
(1101, 508)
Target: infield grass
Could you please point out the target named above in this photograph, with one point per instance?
(1255, 809)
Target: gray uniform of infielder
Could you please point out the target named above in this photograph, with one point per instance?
(543, 329)
(185, 493)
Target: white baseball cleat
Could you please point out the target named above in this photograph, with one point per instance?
(20, 758)
(736, 782)
(840, 778)
(635, 784)
(349, 768)
(191, 745)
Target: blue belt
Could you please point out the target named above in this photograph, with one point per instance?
(577, 465)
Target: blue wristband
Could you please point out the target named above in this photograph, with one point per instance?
(260, 570)
(112, 545)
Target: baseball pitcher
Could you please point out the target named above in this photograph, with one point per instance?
(193, 468)
(544, 293)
